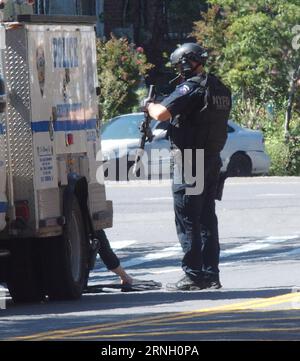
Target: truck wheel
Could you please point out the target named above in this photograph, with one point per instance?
(239, 166)
(24, 273)
(66, 258)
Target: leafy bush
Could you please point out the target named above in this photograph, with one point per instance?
(250, 46)
(279, 154)
(284, 152)
(121, 67)
(294, 156)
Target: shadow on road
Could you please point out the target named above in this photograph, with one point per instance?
(106, 300)
(238, 325)
(112, 305)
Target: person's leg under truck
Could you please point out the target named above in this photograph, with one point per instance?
(108, 256)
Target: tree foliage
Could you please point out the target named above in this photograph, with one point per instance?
(121, 68)
(251, 48)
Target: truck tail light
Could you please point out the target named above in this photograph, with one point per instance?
(69, 139)
(22, 211)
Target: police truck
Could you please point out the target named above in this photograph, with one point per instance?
(51, 200)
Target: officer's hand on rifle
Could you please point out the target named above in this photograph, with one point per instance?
(145, 104)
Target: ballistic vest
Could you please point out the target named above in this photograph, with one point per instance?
(204, 125)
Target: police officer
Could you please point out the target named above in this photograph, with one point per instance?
(199, 111)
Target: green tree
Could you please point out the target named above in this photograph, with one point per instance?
(121, 68)
(251, 48)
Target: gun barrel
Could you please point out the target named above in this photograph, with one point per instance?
(145, 130)
(151, 93)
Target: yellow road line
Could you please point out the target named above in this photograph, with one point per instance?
(211, 322)
(184, 315)
(114, 325)
(252, 304)
(193, 332)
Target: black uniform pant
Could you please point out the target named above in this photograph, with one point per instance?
(197, 224)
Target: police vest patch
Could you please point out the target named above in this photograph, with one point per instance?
(184, 89)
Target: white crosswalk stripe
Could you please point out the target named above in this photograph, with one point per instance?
(176, 251)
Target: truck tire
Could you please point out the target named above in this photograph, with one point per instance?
(24, 280)
(239, 166)
(66, 258)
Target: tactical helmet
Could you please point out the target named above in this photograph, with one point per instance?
(189, 51)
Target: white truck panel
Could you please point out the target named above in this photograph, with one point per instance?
(49, 139)
(91, 105)
(19, 141)
(53, 123)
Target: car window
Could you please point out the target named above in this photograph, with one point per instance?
(123, 127)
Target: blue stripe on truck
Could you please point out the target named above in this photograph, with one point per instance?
(1, 129)
(3, 207)
(64, 125)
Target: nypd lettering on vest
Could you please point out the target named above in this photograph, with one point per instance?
(221, 102)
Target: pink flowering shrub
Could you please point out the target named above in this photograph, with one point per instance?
(121, 67)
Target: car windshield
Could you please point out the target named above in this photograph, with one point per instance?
(126, 127)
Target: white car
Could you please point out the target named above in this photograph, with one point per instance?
(243, 155)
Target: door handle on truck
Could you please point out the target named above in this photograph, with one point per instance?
(98, 126)
(53, 119)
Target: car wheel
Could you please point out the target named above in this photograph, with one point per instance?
(240, 165)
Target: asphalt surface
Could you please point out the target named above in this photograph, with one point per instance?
(260, 234)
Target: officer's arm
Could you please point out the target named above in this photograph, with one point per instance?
(159, 112)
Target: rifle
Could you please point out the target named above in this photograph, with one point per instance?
(145, 129)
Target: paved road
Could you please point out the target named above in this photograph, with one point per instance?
(260, 235)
